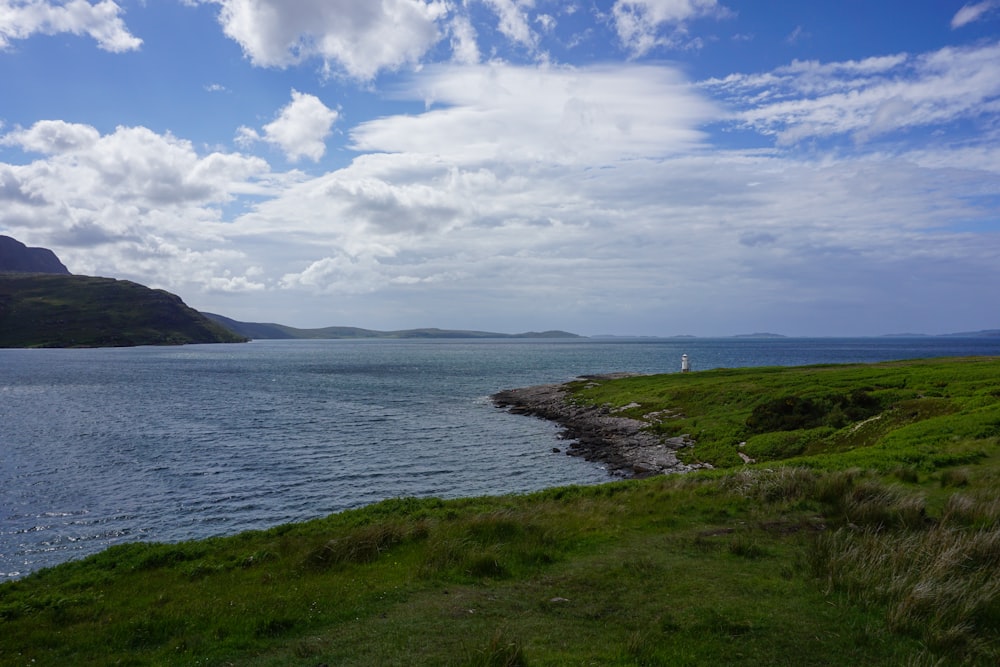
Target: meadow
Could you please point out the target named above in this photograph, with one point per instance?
(866, 530)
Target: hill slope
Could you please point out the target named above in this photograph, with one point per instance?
(43, 310)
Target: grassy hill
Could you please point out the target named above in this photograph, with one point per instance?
(867, 533)
(48, 310)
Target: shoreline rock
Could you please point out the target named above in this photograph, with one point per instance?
(597, 434)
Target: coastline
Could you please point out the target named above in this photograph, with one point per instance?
(597, 434)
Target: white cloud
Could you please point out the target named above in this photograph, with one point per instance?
(20, 19)
(547, 22)
(131, 203)
(300, 130)
(463, 41)
(340, 274)
(972, 13)
(797, 35)
(614, 229)
(588, 115)
(514, 22)
(868, 98)
(133, 164)
(683, 238)
(359, 38)
(52, 136)
(640, 23)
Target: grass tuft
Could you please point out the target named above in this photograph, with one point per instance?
(954, 478)
(501, 651)
(746, 546)
(362, 545)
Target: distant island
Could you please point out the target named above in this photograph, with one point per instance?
(760, 335)
(272, 331)
(985, 333)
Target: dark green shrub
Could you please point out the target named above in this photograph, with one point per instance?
(791, 413)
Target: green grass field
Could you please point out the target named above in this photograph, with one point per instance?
(865, 534)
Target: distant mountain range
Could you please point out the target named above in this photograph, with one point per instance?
(43, 305)
(259, 330)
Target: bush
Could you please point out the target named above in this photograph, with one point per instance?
(792, 413)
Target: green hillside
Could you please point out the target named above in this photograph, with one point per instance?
(47, 310)
(868, 533)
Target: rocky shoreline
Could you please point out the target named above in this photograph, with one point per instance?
(597, 434)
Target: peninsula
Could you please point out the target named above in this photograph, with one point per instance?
(599, 432)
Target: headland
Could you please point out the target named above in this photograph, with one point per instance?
(601, 433)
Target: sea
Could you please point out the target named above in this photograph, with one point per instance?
(104, 446)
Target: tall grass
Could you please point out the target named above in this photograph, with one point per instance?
(361, 545)
(502, 650)
(938, 578)
(940, 583)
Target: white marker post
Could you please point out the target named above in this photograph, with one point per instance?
(685, 364)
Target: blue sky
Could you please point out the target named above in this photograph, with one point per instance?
(645, 167)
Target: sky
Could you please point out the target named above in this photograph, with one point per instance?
(627, 167)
